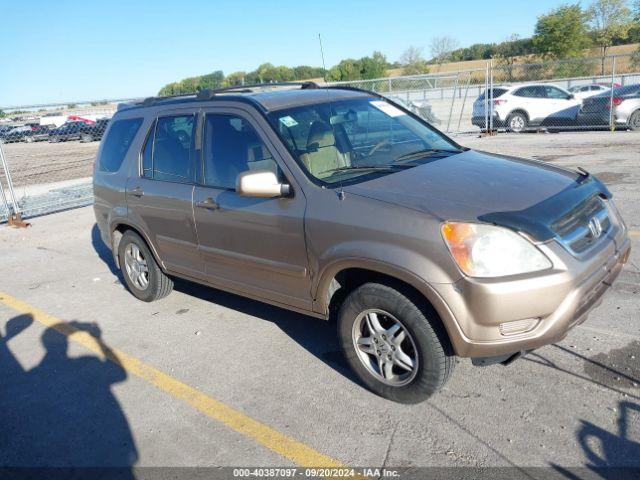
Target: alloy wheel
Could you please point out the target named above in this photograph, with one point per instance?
(136, 266)
(385, 347)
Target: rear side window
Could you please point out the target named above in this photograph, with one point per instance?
(531, 92)
(169, 152)
(117, 143)
(497, 92)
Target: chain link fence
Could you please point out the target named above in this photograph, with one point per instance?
(49, 150)
(572, 94)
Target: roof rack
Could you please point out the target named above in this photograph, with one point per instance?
(206, 93)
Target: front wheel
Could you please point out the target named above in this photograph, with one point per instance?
(517, 122)
(398, 350)
(634, 121)
(144, 278)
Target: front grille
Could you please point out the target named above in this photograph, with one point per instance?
(583, 226)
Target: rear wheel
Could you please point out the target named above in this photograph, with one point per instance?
(54, 139)
(86, 137)
(634, 121)
(517, 122)
(398, 350)
(144, 278)
(28, 139)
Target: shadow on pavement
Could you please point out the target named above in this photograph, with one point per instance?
(611, 455)
(316, 336)
(62, 412)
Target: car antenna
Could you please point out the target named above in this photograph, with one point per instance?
(324, 77)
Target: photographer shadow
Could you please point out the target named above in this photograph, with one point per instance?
(62, 415)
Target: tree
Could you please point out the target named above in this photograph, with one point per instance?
(562, 33)
(235, 78)
(412, 61)
(374, 66)
(610, 20)
(211, 81)
(348, 69)
(441, 48)
(507, 54)
(2, 114)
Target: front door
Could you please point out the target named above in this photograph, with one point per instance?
(254, 246)
(160, 195)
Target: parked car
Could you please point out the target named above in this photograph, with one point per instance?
(422, 108)
(518, 107)
(340, 204)
(68, 131)
(15, 134)
(626, 108)
(93, 132)
(585, 91)
(38, 133)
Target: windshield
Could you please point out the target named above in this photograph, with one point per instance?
(350, 140)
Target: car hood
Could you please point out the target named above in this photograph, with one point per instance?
(474, 186)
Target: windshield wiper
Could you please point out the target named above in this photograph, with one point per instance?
(425, 152)
(386, 167)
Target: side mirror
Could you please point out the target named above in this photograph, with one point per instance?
(261, 183)
(571, 97)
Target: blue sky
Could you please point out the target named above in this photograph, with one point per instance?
(56, 51)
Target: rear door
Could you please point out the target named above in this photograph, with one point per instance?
(254, 246)
(160, 193)
(532, 99)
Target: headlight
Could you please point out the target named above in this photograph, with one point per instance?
(489, 251)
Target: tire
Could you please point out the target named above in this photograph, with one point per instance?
(28, 139)
(133, 250)
(634, 121)
(54, 139)
(424, 343)
(517, 122)
(86, 137)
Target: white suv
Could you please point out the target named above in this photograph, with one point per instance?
(521, 106)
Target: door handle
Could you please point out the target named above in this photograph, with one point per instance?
(209, 203)
(137, 192)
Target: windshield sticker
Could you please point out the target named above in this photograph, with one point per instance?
(288, 121)
(387, 108)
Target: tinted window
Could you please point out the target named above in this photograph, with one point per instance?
(171, 154)
(232, 146)
(531, 92)
(555, 93)
(117, 143)
(496, 93)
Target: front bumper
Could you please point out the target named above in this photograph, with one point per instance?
(553, 301)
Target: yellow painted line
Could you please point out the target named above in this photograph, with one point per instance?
(296, 451)
(634, 233)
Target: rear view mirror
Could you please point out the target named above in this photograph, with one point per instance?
(261, 183)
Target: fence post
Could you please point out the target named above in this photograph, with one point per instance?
(486, 98)
(464, 102)
(612, 120)
(14, 219)
(453, 99)
(491, 99)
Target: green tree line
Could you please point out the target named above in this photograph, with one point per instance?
(560, 34)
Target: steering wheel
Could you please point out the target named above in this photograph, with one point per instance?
(378, 146)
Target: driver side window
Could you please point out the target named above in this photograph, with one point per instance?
(232, 146)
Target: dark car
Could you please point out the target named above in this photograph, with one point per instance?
(68, 131)
(94, 131)
(14, 134)
(38, 133)
(619, 108)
